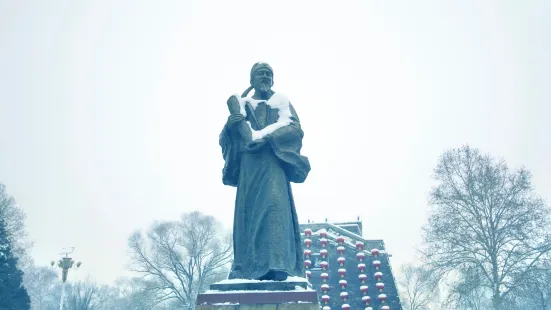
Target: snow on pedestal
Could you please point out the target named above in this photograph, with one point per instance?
(238, 281)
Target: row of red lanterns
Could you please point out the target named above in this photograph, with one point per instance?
(342, 271)
(340, 239)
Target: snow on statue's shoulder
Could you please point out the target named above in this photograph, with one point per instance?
(278, 102)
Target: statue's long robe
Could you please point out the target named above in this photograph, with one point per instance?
(266, 231)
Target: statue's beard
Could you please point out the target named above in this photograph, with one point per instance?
(264, 87)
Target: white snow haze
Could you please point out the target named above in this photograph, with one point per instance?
(110, 111)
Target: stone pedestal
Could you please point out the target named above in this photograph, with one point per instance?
(292, 294)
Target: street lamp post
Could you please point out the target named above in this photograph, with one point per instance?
(65, 263)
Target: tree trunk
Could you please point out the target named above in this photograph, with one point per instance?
(496, 300)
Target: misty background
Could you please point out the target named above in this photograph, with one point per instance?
(110, 110)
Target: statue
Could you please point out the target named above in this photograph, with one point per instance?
(261, 144)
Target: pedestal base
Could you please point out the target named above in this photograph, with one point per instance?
(291, 284)
(258, 300)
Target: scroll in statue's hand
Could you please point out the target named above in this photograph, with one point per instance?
(255, 146)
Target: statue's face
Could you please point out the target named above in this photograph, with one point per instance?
(262, 80)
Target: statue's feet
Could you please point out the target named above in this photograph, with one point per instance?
(275, 275)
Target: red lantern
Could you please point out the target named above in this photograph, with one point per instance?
(343, 284)
(382, 298)
(340, 239)
(308, 274)
(380, 286)
(325, 299)
(362, 277)
(378, 275)
(323, 242)
(307, 263)
(340, 249)
(364, 289)
(324, 265)
(375, 252)
(324, 288)
(385, 308)
(342, 272)
(341, 261)
(307, 242)
(360, 256)
(359, 245)
(307, 253)
(345, 306)
(308, 232)
(323, 253)
(323, 233)
(376, 264)
(361, 267)
(344, 296)
(366, 300)
(324, 276)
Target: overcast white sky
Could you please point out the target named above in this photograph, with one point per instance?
(110, 110)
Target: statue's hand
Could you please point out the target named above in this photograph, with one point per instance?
(255, 146)
(234, 119)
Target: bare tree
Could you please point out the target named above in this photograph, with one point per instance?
(417, 287)
(467, 292)
(41, 284)
(535, 292)
(182, 257)
(136, 294)
(14, 219)
(86, 295)
(487, 218)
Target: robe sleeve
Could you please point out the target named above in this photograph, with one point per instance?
(286, 142)
(230, 145)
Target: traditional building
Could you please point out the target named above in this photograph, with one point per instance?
(348, 271)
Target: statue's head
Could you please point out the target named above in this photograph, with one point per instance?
(262, 77)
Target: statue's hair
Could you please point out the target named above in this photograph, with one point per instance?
(260, 65)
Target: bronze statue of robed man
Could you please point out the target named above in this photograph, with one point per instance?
(261, 144)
